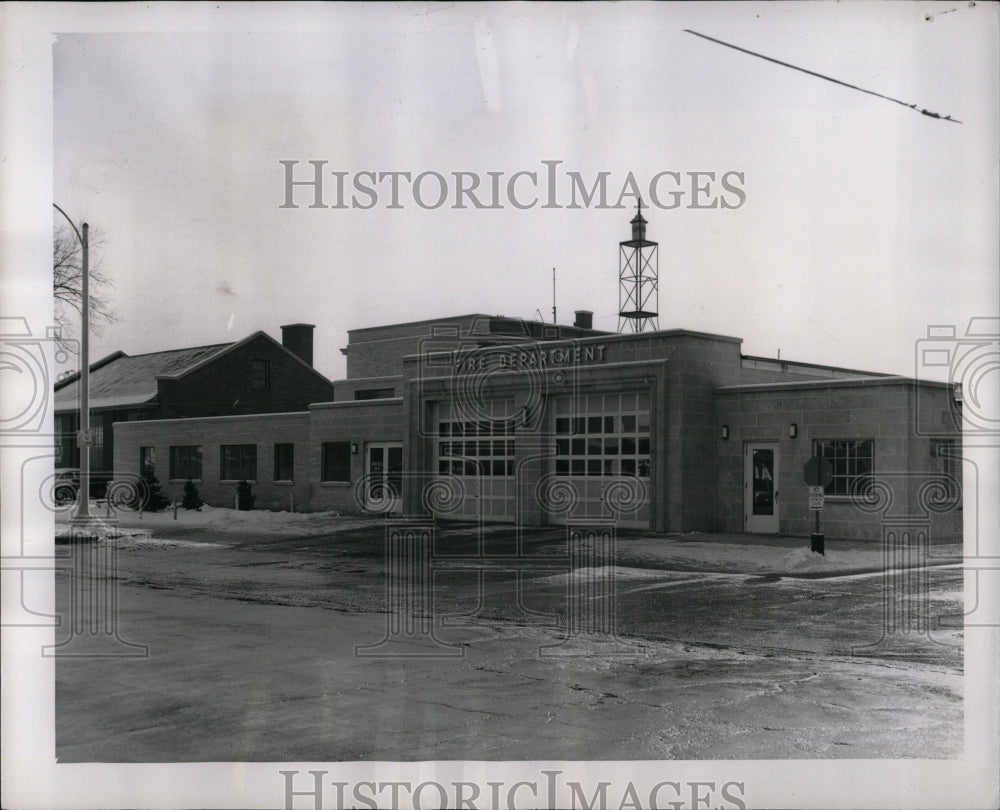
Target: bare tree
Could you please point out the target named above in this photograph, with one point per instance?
(67, 282)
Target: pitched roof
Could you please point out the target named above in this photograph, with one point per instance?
(121, 380)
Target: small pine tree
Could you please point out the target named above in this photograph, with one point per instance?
(156, 501)
(244, 496)
(192, 500)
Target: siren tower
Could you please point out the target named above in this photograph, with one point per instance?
(638, 280)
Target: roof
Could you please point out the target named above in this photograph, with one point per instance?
(121, 380)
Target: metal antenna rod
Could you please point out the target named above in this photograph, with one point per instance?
(553, 295)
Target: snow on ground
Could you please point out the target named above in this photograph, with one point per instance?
(258, 521)
(737, 554)
(756, 557)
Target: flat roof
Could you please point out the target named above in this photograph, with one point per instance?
(806, 385)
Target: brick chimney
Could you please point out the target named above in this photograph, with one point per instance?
(298, 339)
(584, 319)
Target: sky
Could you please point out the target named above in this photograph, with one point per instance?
(861, 223)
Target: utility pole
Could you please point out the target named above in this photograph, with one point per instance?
(82, 514)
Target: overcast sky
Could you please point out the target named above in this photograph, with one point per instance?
(863, 221)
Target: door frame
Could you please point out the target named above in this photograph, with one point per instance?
(384, 447)
(760, 524)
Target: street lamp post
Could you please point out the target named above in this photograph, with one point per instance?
(82, 514)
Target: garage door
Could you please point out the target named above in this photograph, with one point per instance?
(475, 463)
(602, 458)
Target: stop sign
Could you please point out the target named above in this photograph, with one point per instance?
(817, 472)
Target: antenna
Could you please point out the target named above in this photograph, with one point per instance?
(553, 295)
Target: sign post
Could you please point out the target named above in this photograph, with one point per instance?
(817, 474)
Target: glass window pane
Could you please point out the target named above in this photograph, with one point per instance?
(628, 445)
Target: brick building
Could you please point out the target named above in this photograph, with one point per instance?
(491, 418)
(252, 376)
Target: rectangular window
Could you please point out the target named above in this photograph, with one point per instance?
(238, 462)
(611, 436)
(185, 462)
(489, 454)
(852, 462)
(260, 375)
(284, 462)
(375, 393)
(336, 461)
(66, 450)
(147, 461)
(948, 455)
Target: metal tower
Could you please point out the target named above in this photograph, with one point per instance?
(638, 280)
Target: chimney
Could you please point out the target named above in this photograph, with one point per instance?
(584, 319)
(298, 339)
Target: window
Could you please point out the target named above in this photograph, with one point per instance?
(375, 393)
(185, 462)
(336, 461)
(852, 463)
(260, 375)
(147, 461)
(238, 462)
(477, 448)
(948, 452)
(284, 462)
(608, 436)
(67, 454)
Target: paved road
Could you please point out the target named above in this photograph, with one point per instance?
(252, 657)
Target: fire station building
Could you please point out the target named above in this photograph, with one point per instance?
(495, 419)
(489, 418)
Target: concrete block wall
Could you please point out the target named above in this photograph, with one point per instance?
(871, 409)
(262, 430)
(344, 390)
(360, 423)
(379, 351)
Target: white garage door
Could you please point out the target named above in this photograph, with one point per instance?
(602, 458)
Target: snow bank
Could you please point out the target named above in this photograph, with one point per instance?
(260, 521)
(752, 557)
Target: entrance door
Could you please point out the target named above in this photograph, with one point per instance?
(761, 488)
(385, 475)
